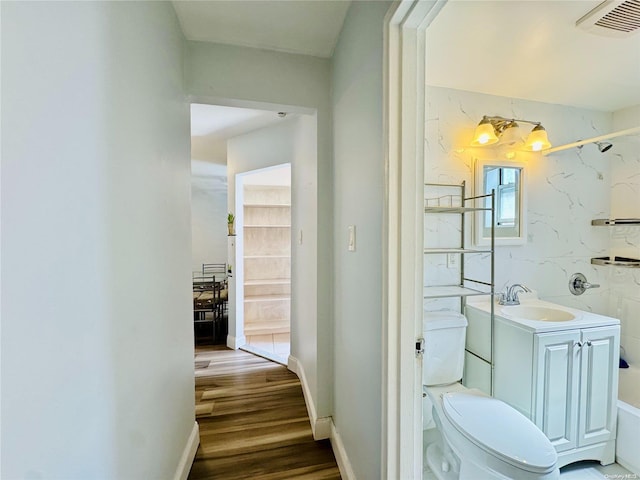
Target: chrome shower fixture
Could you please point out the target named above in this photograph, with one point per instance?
(603, 146)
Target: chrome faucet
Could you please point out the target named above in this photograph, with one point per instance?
(510, 295)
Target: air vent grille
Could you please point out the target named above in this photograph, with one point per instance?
(624, 18)
(613, 18)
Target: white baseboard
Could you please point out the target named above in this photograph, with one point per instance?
(321, 427)
(346, 471)
(236, 342)
(188, 454)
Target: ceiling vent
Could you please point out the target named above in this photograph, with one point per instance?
(613, 18)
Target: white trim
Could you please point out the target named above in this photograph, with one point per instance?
(320, 426)
(346, 471)
(237, 326)
(271, 356)
(404, 87)
(236, 342)
(478, 189)
(188, 454)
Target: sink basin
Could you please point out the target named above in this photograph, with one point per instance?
(539, 313)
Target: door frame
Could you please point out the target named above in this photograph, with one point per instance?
(404, 120)
(240, 339)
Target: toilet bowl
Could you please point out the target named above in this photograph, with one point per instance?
(480, 437)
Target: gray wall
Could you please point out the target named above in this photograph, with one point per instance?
(95, 242)
(208, 220)
(357, 94)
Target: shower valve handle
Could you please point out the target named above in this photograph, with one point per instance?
(578, 284)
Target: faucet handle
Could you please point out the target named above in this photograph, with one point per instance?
(578, 284)
(515, 299)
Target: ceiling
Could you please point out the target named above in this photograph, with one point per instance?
(532, 50)
(307, 27)
(212, 125)
(517, 48)
(227, 122)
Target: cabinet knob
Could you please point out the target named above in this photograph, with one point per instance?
(578, 344)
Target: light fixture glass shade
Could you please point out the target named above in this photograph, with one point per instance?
(537, 140)
(511, 135)
(485, 134)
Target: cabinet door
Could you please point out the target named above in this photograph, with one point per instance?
(598, 384)
(555, 397)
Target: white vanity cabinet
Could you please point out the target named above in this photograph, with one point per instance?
(565, 381)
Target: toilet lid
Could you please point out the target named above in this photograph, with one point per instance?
(501, 430)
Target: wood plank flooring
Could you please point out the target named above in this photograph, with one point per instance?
(253, 421)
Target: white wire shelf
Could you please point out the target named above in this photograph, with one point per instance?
(435, 251)
(444, 291)
(455, 209)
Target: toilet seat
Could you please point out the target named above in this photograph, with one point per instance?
(522, 445)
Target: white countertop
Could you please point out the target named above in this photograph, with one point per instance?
(583, 319)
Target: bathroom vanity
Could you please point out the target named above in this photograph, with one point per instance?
(559, 367)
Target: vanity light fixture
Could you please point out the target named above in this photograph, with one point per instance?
(492, 130)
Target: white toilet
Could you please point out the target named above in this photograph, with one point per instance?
(481, 437)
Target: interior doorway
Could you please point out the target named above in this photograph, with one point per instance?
(213, 127)
(263, 250)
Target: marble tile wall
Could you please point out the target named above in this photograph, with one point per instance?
(565, 191)
(625, 241)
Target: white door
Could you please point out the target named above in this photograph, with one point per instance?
(598, 384)
(557, 370)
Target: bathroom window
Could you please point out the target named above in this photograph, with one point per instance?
(506, 178)
(506, 183)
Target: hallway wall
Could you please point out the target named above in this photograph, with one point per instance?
(291, 141)
(357, 96)
(95, 242)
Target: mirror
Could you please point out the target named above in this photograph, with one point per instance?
(507, 179)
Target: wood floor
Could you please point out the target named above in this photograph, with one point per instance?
(253, 421)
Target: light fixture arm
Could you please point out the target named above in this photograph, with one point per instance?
(500, 123)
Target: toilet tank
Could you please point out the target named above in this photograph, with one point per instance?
(444, 336)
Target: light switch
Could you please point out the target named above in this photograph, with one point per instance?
(352, 238)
